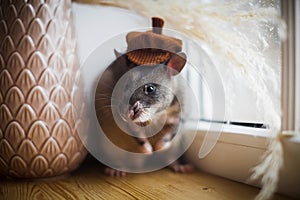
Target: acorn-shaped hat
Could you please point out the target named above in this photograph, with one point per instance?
(151, 47)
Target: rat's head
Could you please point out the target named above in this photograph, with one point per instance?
(152, 96)
(149, 90)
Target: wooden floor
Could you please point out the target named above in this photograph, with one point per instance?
(89, 182)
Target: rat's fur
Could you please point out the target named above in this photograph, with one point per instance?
(162, 106)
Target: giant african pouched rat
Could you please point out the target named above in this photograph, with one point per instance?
(138, 94)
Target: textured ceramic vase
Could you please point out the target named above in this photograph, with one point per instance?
(39, 89)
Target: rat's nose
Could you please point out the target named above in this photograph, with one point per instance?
(134, 110)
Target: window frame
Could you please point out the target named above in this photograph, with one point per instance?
(246, 145)
(290, 70)
(297, 63)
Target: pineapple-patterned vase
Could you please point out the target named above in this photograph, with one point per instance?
(39, 89)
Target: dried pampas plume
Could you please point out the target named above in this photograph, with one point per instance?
(269, 169)
(238, 33)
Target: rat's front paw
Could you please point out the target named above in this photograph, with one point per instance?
(181, 168)
(114, 173)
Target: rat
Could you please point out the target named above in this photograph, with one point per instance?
(145, 103)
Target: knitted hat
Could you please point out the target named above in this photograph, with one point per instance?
(151, 47)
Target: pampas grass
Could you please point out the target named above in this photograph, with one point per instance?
(268, 170)
(238, 33)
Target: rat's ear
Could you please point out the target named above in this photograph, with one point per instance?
(117, 54)
(176, 63)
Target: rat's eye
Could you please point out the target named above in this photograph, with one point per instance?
(149, 89)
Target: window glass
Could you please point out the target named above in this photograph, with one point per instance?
(246, 53)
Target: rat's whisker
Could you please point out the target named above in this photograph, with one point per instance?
(152, 107)
(123, 117)
(103, 95)
(103, 107)
(105, 85)
(109, 106)
(103, 98)
(107, 98)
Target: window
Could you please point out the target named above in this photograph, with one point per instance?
(242, 97)
(245, 145)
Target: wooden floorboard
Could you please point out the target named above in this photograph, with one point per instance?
(89, 182)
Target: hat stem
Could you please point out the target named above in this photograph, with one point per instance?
(157, 25)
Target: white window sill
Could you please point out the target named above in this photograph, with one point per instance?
(239, 149)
